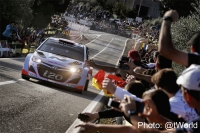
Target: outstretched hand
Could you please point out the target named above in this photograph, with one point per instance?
(92, 116)
(108, 85)
(86, 128)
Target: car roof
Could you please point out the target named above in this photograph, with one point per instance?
(66, 40)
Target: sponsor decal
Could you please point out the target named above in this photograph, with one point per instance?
(32, 74)
(71, 85)
(52, 75)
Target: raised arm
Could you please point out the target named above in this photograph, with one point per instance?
(165, 46)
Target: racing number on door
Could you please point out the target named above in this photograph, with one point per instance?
(52, 75)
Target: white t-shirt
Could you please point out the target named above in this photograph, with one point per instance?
(180, 107)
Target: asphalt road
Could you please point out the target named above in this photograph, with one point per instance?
(40, 107)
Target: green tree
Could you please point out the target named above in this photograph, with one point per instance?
(119, 9)
(183, 7)
(44, 9)
(15, 10)
(131, 13)
(184, 29)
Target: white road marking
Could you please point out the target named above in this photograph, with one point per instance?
(102, 49)
(7, 82)
(96, 100)
(10, 82)
(89, 108)
(93, 40)
(123, 49)
(21, 79)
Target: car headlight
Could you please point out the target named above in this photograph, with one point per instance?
(35, 59)
(75, 70)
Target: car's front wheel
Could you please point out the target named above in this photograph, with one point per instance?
(86, 85)
(25, 77)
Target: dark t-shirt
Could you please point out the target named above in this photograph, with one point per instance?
(193, 58)
(193, 127)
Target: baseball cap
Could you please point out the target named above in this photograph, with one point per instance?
(190, 78)
(134, 55)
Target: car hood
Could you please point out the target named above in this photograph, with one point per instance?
(57, 60)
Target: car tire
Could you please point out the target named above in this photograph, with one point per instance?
(86, 85)
(25, 77)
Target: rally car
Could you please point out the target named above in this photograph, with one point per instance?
(59, 61)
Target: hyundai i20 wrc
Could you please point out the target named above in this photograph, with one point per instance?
(59, 61)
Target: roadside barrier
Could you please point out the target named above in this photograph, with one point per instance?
(5, 50)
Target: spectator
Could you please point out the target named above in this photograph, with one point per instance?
(158, 96)
(161, 63)
(190, 88)
(166, 48)
(10, 28)
(136, 58)
(134, 87)
(22, 35)
(41, 34)
(165, 80)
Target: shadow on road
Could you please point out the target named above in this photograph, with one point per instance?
(86, 94)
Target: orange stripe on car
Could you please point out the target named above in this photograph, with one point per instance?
(24, 72)
(79, 87)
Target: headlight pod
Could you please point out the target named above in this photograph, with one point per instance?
(75, 70)
(35, 59)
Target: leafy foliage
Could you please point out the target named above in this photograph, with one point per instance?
(16, 10)
(182, 6)
(153, 22)
(30, 12)
(119, 9)
(44, 9)
(183, 30)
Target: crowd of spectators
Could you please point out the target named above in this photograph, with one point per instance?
(102, 20)
(33, 36)
(153, 84)
(15, 33)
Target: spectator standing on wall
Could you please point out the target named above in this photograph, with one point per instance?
(10, 28)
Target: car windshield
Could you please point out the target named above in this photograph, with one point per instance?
(63, 49)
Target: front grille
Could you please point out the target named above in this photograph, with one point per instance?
(75, 81)
(52, 74)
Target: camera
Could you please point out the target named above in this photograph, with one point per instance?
(112, 103)
(122, 62)
(115, 104)
(83, 117)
